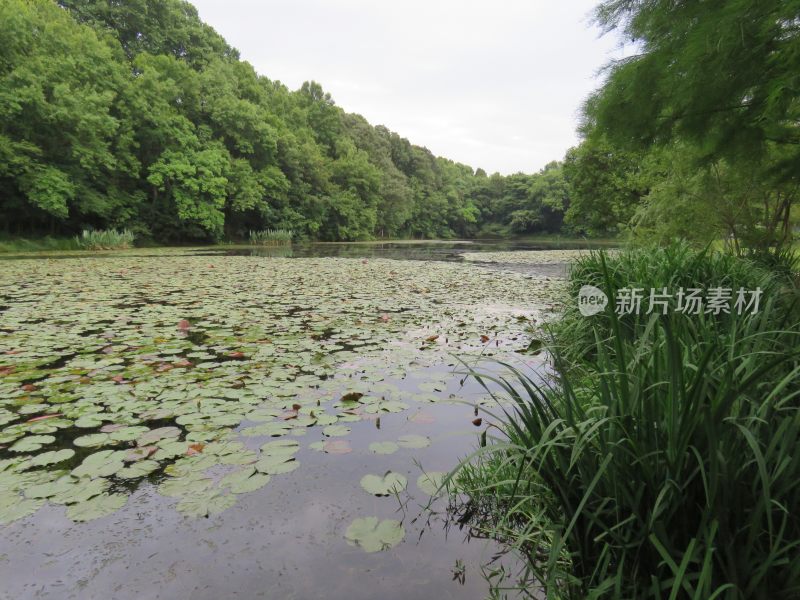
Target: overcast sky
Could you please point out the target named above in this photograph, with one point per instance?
(496, 84)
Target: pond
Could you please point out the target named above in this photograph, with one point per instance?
(230, 422)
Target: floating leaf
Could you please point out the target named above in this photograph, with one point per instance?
(280, 448)
(154, 435)
(206, 504)
(13, 507)
(430, 482)
(413, 441)
(52, 457)
(100, 464)
(276, 465)
(141, 468)
(391, 483)
(79, 490)
(383, 447)
(99, 506)
(32, 443)
(335, 430)
(184, 486)
(372, 535)
(244, 481)
(92, 440)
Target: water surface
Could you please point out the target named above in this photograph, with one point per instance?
(230, 349)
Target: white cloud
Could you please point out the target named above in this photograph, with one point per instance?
(493, 84)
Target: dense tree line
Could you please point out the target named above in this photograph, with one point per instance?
(135, 114)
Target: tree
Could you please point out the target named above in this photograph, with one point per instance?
(722, 73)
(605, 187)
(719, 76)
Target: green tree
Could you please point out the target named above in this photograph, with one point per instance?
(606, 185)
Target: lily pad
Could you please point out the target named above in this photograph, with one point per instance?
(390, 483)
(244, 481)
(154, 435)
(32, 443)
(141, 468)
(383, 447)
(430, 482)
(276, 465)
(184, 486)
(335, 430)
(52, 457)
(372, 535)
(99, 506)
(92, 440)
(13, 507)
(206, 504)
(413, 441)
(100, 464)
(280, 448)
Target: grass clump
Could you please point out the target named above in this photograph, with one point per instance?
(271, 237)
(661, 460)
(104, 239)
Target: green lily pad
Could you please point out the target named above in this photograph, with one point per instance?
(52, 457)
(413, 441)
(280, 448)
(140, 468)
(32, 443)
(383, 447)
(100, 464)
(390, 483)
(99, 506)
(72, 490)
(155, 435)
(184, 486)
(13, 507)
(372, 535)
(205, 504)
(92, 440)
(335, 430)
(276, 465)
(431, 482)
(244, 481)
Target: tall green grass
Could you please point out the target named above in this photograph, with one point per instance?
(43, 244)
(271, 237)
(104, 239)
(663, 459)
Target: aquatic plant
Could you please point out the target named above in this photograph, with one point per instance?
(104, 239)
(215, 399)
(271, 237)
(665, 466)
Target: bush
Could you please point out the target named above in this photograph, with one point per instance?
(676, 266)
(666, 466)
(104, 239)
(271, 237)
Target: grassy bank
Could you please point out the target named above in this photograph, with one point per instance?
(96, 239)
(660, 461)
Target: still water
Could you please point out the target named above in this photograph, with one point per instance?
(214, 344)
